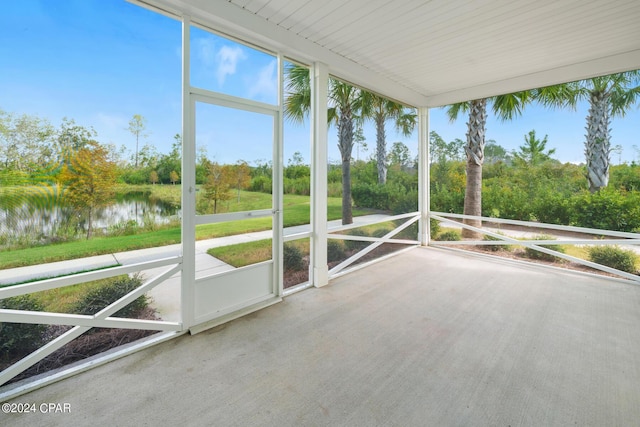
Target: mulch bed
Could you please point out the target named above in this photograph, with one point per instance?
(91, 343)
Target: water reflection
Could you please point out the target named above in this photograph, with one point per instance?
(34, 218)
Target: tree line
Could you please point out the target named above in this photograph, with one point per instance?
(528, 184)
(608, 96)
(32, 149)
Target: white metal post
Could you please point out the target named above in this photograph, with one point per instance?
(278, 186)
(319, 160)
(423, 175)
(188, 276)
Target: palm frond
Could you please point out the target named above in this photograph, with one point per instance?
(454, 110)
(510, 105)
(297, 100)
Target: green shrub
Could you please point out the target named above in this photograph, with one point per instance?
(494, 248)
(300, 186)
(261, 183)
(614, 257)
(374, 196)
(535, 254)
(409, 233)
(356, 245)
(552, 208)
(608, 209)
(434, 227)
(20, 339)
(335, 251)
(292, 258)
(510, 202)
(380, 232)
(123, 228)
(449, 236)
(405, 203)
(444, 199)
(113, 289)
(625, 177)
(334, 189)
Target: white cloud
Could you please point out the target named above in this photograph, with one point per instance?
(205, 50)
(266, 85)
(228, 58)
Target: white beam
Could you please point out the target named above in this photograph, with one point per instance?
(599, 67)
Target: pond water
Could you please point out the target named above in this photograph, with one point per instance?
(35, 216)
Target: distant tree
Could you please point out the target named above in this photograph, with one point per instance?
(172, 161)
(262, 168)
(618, 150)
(296, 159)
(218, 184)
(148, 157)
(72, 137)
(380, 110)
(494, 153)
(88, 180)
(137, 126)
(437, 148)
(359, 141)
(400, 155)
(442, 151)
(25, 142)
(455, 149)
(174, 177)
(202, 165)
(153, 177)
(532, 152)
(241, 176)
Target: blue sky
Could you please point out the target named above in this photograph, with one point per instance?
(100, 62)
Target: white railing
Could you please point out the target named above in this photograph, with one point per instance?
(376, 242)
(82, 323)
(623, 238)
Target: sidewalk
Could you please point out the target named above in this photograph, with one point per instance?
(166, 296)
(55, 269)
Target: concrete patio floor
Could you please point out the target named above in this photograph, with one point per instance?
(430, 337)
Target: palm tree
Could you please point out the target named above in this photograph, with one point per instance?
(345, 102)
(505, 107)
(380, 110)
(609, 96)
(532, 152)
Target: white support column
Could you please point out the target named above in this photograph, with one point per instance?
(423, 175)
(319, 274)
(188, 275)
(278, 186)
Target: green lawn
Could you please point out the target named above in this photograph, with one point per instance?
(296, 212)
(242, 254)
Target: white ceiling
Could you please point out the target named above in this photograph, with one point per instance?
(437, 52)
